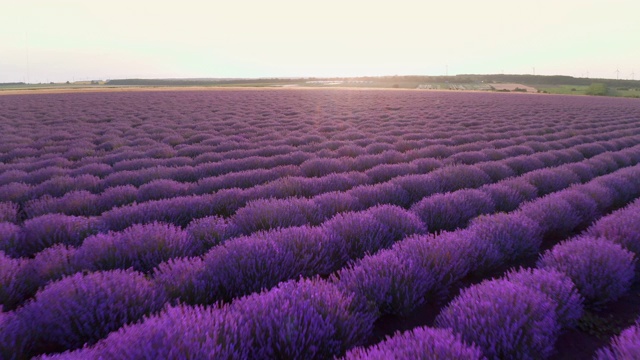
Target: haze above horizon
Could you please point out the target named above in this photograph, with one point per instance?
(70, 40)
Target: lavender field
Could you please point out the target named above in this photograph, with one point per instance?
(315, 224)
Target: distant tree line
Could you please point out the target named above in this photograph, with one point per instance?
(12, 83)
(191, 82)
(535, 80)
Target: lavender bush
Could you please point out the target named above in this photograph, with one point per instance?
(47, 230)
(210, 231)
(624, 346)
(8, 212)
(506, 320)
(452, 210)
(361, 233)
(262, 260)
(555, 216)
(601, 270)
(82, 309)
(420, 343)
(11, 237)
(389, 283)
(514, 235)
(555, 285)
(79, 203)
(621, 227)
(140, 246)
(270, 214)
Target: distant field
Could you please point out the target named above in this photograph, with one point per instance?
(304, 224)
(582, 90)
(384, 83)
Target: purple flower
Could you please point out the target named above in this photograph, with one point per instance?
(265, 214)
(551, 180)
(161, 188)
(116, 196)
(16, 192)
(419, 343)
(264, 259)
(452, 210)
(601, 270)
(46, 230)
(624, 346)
(15, 281)
(8, 212)
(389, 283)
(82, 309)
(378, 194)
(179, 279)
(558, 287)
(332, 203)
(622, 227)
(210, 231)
(139, 246)
(361, 232)
(496, 170)
(555, 216)
(323, 166)
(448, 256)
(514, 235)
(79, 203)
(309, 319)
(504, 197)
(506, 320)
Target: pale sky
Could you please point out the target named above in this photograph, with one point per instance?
(60, 40)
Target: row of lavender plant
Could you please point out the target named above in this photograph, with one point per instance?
(318, 340)
(508, 318)
(154, 183)
(11, 315)
(123, 127)
(464, 247)
(402, 191)
(59, 184)
(601, 269)
(42, 170)
(71, 230)
(144, 247)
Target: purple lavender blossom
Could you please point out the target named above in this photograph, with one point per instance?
(420, 343)
(139, 246)
(450, 211)
(558, 287)
(622, 227)
(82, 309)
(389, 283)
(514, 235)
(506, 320)
(265, 214)
(8, 212)
(624, 346)
(47, 230)
(601, 270)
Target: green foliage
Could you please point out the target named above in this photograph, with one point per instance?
(598, 89)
